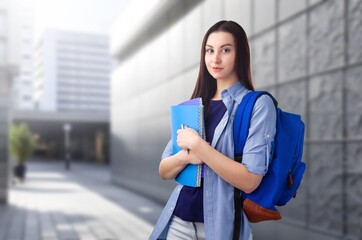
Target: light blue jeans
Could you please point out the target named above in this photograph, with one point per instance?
(184, 230)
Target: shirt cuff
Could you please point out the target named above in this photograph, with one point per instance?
(256, 162)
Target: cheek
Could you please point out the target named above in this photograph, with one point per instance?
(232, 62)
(207, 60)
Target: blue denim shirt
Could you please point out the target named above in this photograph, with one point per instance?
(218, 194)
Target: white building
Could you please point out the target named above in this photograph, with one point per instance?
(22, 26)
(72, 72)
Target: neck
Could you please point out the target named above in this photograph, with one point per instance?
(222, 85)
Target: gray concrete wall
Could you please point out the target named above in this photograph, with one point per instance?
(308, 54)
(4, 99)
(4, 103)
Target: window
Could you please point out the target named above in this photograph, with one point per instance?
(2, 52)
(2, 23)
(26, 98)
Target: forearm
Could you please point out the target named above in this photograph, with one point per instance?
(169, 167)
(231, 171)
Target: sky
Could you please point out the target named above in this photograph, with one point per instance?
(95, 16)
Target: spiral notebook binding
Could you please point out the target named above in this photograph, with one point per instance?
(202, 122)
(203, 135)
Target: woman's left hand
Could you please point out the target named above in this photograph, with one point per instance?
(187, 138)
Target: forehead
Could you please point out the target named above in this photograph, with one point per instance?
(216, 39)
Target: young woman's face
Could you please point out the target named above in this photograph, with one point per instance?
(220, 54)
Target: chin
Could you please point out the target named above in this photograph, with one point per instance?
(217, 76)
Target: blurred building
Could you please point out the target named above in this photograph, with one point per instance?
(4, 86)
(8, 70)
(22, 26)
(71, 96)
(72, 72)
(308, 53)
(87, 134)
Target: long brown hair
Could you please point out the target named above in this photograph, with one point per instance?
(206, 85)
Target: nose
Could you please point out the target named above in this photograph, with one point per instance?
(216, 58)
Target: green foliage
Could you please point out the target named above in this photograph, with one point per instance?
(21, 142)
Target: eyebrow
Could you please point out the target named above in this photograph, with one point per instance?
(225, 45)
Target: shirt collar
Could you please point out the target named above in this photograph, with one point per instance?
(235, 91)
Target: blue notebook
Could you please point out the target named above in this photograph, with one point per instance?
(191, 114)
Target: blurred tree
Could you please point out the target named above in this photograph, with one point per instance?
(21, 145)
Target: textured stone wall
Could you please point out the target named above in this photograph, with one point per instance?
(312, 62)
(308, 54)
(353, 151)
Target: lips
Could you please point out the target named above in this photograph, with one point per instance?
(216, 69)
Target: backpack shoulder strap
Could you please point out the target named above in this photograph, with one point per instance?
(243, 117)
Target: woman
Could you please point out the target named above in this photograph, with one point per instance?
(224, 78)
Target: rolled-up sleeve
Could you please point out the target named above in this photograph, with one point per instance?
(168, 150)
(258, 147)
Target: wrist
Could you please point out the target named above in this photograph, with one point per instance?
(181, 158)
(196, 142)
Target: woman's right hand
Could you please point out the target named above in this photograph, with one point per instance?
(171, 166)
(188, 157)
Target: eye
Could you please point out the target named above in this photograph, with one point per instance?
(226, 50)
(209, 50)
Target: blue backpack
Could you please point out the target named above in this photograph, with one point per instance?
(286, 169)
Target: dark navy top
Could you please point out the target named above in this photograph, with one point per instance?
(189, 206)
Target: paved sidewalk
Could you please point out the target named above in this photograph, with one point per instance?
(54, 204)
